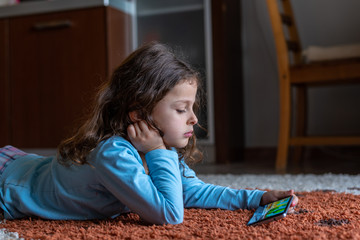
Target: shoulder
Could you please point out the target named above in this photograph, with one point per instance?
(115, 142)
(114, 148)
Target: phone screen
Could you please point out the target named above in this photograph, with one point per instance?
(271, 211)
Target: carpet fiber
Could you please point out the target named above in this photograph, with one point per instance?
(319, 215)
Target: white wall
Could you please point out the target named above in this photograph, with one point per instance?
(333, 110)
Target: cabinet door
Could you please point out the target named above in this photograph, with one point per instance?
(228, 85)
(4, 84)
(56, 62)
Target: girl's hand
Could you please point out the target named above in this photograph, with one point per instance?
(144, 138)
(272, 196)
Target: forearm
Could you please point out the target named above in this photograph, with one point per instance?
(212, 196)
(165, 175)
(204, 195)
(156, 197)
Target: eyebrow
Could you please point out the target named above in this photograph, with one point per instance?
(182, 101)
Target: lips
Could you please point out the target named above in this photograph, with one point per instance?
(189, 134)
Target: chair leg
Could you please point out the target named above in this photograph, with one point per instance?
(301, 121)
(284, 124)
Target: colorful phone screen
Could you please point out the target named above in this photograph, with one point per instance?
(271, 210)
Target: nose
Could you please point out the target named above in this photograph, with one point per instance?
(192, 119)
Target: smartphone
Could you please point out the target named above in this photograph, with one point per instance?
(271, 212)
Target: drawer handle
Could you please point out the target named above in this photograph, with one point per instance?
(52, 25)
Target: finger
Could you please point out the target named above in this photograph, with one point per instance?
(295, 201)
(137, 129)
(295, 198)
(291, 210)
(143, 126)
(131, 131)
(284, 194)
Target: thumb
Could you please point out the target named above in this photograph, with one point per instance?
(284, 194)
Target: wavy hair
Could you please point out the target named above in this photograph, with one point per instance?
(138, 84)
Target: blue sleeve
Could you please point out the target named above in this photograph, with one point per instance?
(198, 194)
(156, 197)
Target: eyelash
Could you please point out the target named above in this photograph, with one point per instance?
(180, 111)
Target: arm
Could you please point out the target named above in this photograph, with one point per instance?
(202, 195)
(156, 197)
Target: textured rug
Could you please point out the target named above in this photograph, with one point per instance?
(299, 182)
(321, 214)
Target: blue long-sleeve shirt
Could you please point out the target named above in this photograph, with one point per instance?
(114, 182)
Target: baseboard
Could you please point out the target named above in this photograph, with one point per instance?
(259, 153)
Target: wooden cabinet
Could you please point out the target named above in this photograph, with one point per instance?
(4, 83)
(56, 62)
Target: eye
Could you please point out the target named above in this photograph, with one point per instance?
(181, 110)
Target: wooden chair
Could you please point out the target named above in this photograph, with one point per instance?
(294, 73)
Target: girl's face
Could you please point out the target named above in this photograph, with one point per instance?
(174, 114)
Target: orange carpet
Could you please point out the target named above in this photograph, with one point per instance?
(319, 215)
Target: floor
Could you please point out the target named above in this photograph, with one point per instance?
(317, 160)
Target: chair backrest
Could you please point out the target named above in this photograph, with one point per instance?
(286, 36)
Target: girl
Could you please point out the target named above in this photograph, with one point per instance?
(130, 154)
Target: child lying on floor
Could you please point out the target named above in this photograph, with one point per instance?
(131, 153)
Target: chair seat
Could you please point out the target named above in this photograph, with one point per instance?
(322, 53)
(326, 72)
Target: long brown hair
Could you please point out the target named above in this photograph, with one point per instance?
(138, 84)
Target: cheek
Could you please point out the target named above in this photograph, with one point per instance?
(163, 120)
(169, 126)
(164, 124)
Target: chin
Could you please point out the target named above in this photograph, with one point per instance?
(179, 144)
(183, 145)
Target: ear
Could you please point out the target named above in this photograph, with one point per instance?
(135, 116)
